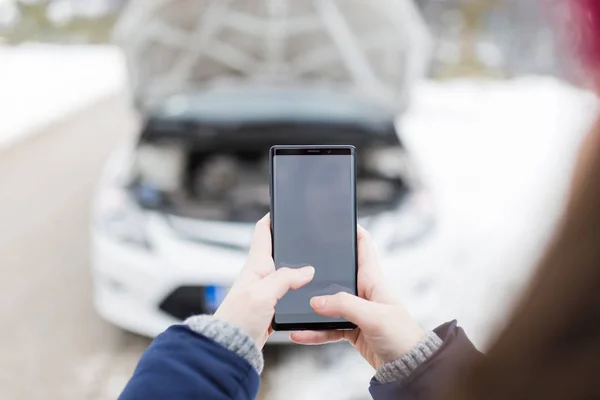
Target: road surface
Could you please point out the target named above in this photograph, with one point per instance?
(54, 346)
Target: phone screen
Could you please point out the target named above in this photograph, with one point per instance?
(314, 223)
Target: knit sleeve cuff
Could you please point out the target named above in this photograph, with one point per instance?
(228, 336)
(403, 367)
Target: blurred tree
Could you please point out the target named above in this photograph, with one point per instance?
(496, 38)
(470, 62)
(70, 21)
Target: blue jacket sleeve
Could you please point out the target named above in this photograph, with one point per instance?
(434, 375)
(181, 364)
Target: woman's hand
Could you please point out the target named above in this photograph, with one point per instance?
(250, 304)
(385, 331)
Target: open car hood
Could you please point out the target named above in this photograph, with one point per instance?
(376, 49)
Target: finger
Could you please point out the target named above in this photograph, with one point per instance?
(261, 239)
(359, 311)
(284, 279)
(260, 262)
(367, 257)
(317, 337)
(370, 274)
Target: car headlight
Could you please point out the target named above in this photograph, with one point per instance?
(121, 218)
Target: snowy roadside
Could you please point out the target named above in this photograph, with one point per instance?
(43, 84)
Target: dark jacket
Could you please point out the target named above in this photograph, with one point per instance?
(181, 364)
(456, 353)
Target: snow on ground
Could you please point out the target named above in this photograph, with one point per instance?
(42, 84)
(498, 158)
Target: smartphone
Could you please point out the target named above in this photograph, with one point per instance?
(313, 222)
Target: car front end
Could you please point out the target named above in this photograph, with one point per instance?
(175, 210)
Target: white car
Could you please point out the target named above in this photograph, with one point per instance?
(174, 211)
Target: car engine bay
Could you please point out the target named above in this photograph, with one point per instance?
(230, 183)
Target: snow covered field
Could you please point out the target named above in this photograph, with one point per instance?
(496, 155)
(43, 84)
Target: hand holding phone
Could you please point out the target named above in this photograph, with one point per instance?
(385, 332)
(250, 304)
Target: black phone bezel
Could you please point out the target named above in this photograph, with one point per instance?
(312, 150)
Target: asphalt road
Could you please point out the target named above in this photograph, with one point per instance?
(53, 344)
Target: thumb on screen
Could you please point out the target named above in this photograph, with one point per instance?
(359, 311)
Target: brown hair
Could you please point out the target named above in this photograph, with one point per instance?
(550, 348)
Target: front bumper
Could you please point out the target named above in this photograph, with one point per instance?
(132, 284)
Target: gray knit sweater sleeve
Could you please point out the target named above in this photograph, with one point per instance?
(403, 367)
(228, 336)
